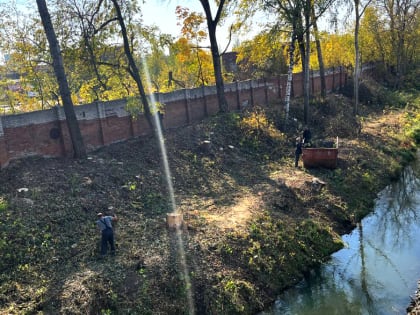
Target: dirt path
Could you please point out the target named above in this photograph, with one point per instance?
(245, 207)
(236, 216)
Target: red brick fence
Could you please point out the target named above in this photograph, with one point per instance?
(45, 133)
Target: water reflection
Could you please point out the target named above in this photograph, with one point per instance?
(377, 271)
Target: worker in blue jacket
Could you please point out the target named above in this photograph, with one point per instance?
(104, 224)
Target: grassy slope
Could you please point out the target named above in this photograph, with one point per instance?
(254, 223)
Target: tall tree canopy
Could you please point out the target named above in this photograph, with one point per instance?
(97, 66)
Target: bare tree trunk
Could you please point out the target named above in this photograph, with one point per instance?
(134, 71)
(302, 51)
(71, 119)
(217, 65)
(289, 78)
(306, 85)
(320, 58)
(357, 61)
(359, 9)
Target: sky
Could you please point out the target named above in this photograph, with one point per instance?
(162, 14)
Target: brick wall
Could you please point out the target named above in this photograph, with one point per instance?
(45, 133)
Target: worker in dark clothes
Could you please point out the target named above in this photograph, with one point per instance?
(298, 151)
(107, 233)
(306, 137)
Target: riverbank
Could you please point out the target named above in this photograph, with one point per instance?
(253, 222)
(414, 306)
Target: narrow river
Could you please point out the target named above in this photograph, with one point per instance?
(378, 269)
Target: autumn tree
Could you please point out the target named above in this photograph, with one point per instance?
(338, 49)
(193, 31)
(294, 18)
(373, 35)
(265, 55)
(190, 66)
(71, 119)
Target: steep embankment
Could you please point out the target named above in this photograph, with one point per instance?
(253, 222)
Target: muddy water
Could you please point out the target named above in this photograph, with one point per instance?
(378, 269)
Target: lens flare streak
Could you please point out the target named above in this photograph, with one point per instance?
(168, 176)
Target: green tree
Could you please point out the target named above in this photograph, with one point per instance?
(99, 66)
(158, 62)
(403, 22)
(23, 40)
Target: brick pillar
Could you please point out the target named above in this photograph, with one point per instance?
(279, 83)
(206, 112)
(265, 91)
(187, 105)
(4, 156)
(238, 99)
(312, 92)
(101, 117)
(251, 92)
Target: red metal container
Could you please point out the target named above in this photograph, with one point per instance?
(320, 157)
